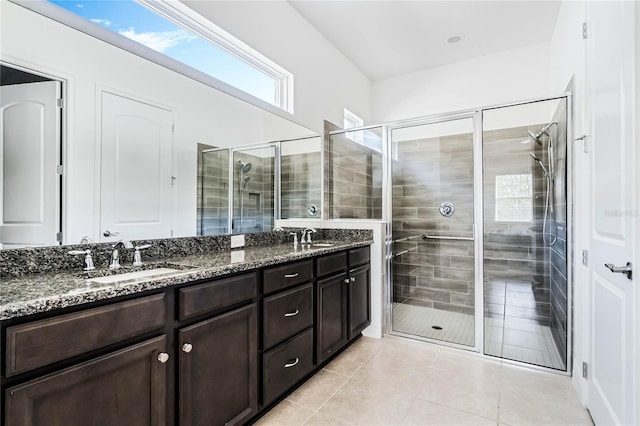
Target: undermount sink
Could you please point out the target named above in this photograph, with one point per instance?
(148, 273)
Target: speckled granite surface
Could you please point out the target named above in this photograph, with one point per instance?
(24, 294)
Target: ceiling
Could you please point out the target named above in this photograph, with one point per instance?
(389, 38)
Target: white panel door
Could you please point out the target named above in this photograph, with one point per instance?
(136, 169)
(29, 154)
(610, 67)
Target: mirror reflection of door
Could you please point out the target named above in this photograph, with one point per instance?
(30, 146)
(136, 170)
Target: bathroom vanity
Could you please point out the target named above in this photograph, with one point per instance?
(219, 341)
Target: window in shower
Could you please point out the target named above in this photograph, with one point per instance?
(514, 198)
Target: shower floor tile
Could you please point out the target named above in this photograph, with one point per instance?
(507, 337)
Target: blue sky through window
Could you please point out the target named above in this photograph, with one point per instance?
(136, 22)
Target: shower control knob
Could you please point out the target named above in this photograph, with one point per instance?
(447, 209)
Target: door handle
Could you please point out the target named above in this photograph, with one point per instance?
(627, 269)
(108, 233)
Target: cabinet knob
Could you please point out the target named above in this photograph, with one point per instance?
(346, 280)
(353, 279)
(292, 363)
(163, 357)
(187, 347)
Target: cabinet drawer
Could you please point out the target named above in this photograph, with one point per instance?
(210, 296)
(44, 342)
(287, 364)
(281, 277)
(287, 313)
(359, 255)
(331, 263)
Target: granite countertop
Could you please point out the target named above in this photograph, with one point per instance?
(35, 293)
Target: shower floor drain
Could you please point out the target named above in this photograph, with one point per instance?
(436, 327)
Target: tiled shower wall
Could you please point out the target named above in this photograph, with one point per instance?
(515, 258)
(301, 184)
(558, 251)
(353, 193)
(434, 273)
(213, 191)
(258, 194)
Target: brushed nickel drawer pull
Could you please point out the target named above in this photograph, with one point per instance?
(292, 364)
(292, 314)
(291, 275)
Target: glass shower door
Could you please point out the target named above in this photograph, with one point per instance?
(433, 257)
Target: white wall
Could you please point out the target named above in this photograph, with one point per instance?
(326, 82)
(201, 114)
(513, 75)
(568, 59)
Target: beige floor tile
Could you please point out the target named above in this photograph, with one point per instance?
(357, 404)
(524, 408)
(554, 387)
(320, 419)
(317, 390)
(469, 363)
(349, 361)
(458, 390)
(428, 413)
(392, 373)
(286, 413)
(418, 353)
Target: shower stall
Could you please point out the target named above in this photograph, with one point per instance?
(478, 231)
(237, 190)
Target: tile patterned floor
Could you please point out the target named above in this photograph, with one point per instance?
(392, 381)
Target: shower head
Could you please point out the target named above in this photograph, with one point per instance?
(245, 167)
(245, 180)
(543, 131)
(537, 160)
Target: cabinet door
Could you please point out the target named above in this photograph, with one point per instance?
(359, 300)
(127, 387)
(219, 369)
(332, 315)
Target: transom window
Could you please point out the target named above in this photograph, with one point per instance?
(514, 198)
(174, 30)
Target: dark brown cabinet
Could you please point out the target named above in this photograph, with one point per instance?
(126, 387)
(332, 316)
(343, 299)
(210, 352)
(359, 299)
(218, 369)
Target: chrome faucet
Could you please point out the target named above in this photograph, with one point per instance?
(307, 233)
(115, 256)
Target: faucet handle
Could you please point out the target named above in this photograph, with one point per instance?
(137, 258)
(295, 237)
(88, 260)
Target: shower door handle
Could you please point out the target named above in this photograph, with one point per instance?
(627, 269)
(426, 236)
(444, 237)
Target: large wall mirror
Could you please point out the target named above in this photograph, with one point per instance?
(126, 133)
